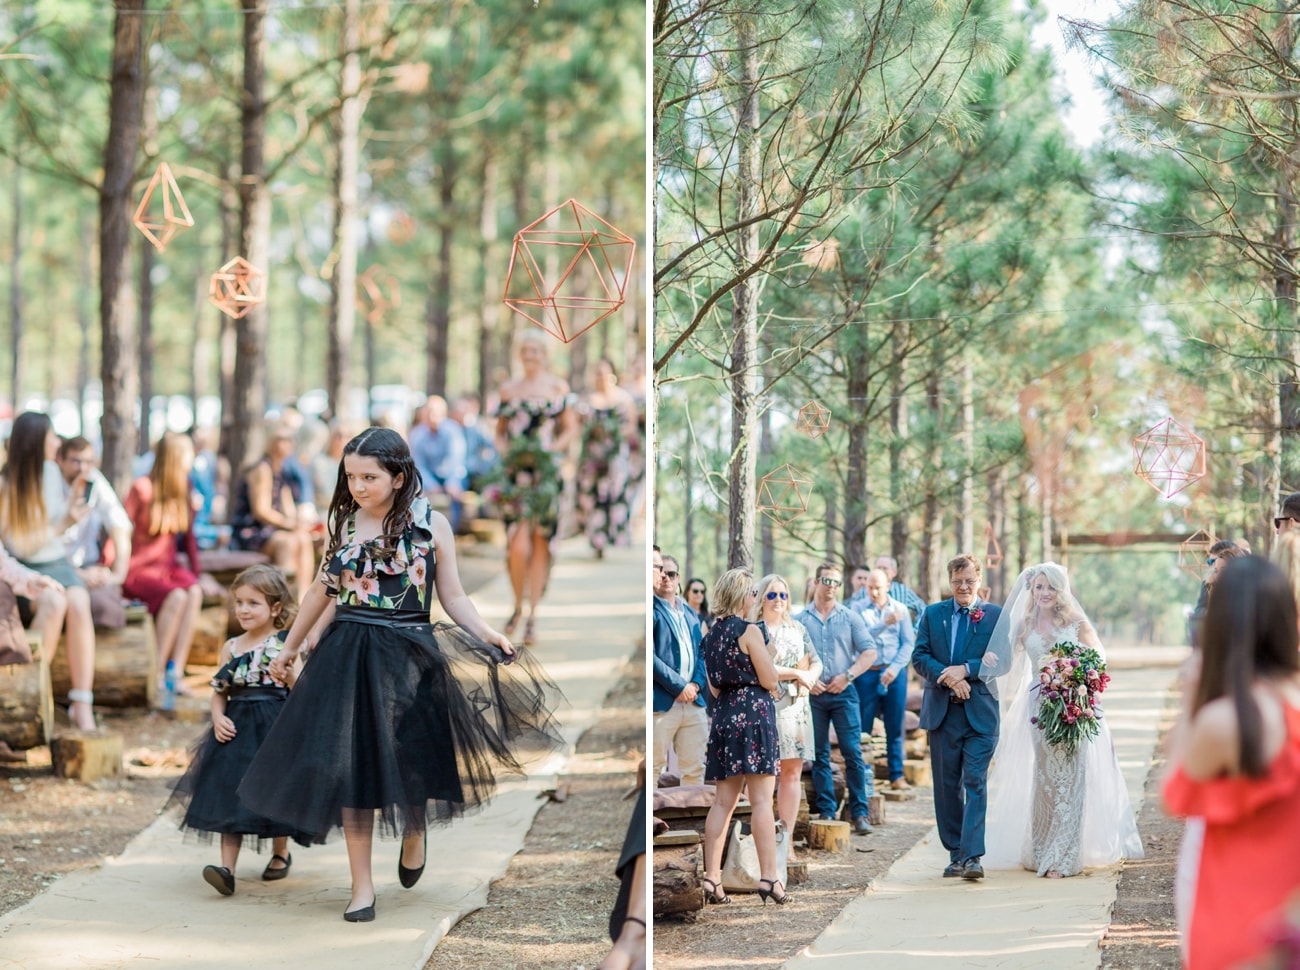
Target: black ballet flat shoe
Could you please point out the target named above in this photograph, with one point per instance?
(220, 878)
(954, 870)
(271, 874)
(365, 914)
(409, 877)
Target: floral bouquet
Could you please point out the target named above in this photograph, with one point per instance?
(1068, 684)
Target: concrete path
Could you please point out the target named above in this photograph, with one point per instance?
(150, 907)
(914, 919)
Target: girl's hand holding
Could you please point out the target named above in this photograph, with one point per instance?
(280, 667)
(223, 727)
(502, 641)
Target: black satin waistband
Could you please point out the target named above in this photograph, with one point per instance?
(258, 693)
(389, 618)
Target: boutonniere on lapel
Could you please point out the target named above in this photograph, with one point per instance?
(976, 615)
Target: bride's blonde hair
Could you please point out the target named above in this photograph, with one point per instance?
(1066, 610)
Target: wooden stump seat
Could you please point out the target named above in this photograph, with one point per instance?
(27, 701)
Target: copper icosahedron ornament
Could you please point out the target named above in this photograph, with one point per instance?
(1192, 552)
(1168, 457)
(378, 293)
(568, 270)
(237, 287)
(175, 216)
(783, 494)
(813, 419)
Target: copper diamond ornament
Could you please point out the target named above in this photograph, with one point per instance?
(237, 287)
(379, 292)
(161, 227)
(813, 419)
(1192, 552)
(783, 494)
(1169, 457)
(568, 270)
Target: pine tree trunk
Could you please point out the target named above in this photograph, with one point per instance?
(489, 311)
(744, 318)
(116, 306)
(855, 482)
(16, 289)
(899, 532)
(343, 280)
(143, 436)
(439, 305)
(247, 434)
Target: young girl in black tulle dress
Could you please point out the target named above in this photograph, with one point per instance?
(393, 714)
(246, 700)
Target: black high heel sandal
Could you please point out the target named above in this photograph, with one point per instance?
(512, 623)
(409, 877)
(766, 894)
(714, 893)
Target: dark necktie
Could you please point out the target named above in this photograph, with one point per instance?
(963, 626)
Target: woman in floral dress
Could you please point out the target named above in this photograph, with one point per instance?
(608, 431)
(392, 714)
(798, 667)
(536, 423)
(742, 748)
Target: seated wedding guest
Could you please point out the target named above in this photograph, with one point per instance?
(17, 580)
(35, 512)
(162, 517)
(882, 688)
(1234, 770)
(438, 447)
(481, 458)
(105, 517)
(266, 517)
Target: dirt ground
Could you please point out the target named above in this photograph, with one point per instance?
(744, 933)
(1143, 934)
(551, 908)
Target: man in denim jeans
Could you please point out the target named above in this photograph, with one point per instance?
(846, 650)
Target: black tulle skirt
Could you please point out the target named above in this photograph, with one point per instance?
(208, 788)
(410, 718)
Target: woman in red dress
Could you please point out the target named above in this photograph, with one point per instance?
(160, 508)
(1234, 769)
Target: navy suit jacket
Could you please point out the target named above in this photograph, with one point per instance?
(933, 652)
(668, 681)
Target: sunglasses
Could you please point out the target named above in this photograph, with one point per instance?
(774, 595)
(695, 589)
(828, 581)
(671, 573)
(1277, 522)
(1211, 561)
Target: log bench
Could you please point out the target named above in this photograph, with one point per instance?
(126, 663)
(678, 866)
(27, 701)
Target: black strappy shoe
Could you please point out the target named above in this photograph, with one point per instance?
(271, 873)
(766, 894)
(713, 892)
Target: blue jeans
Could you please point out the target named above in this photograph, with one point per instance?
(890, 707)
(842, 711)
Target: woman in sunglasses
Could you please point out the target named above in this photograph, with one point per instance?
(697, 598)
(797, 668)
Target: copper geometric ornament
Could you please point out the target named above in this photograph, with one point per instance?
(813, 419)
(570, 275)
(175, 215)
(1168, 457)
(783, 494)
(237, 287)
(992, 549)
(378, 293)
(1192, 551)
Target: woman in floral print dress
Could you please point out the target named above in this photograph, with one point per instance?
(393, 714)
(604, 488)
(743, 747)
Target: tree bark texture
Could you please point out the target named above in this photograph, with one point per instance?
(116, 305)
(343, 280)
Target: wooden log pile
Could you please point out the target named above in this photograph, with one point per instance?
(126, 664)
(27, 701)
(678, 870)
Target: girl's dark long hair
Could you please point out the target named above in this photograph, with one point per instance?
(23, 515)
(388, 448)
(1249, 633)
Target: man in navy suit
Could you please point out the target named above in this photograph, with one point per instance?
(959, 713)
(680, 721)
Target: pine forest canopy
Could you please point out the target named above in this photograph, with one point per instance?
(883, 214)
(412, 137)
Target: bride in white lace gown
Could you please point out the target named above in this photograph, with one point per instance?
(1050, 811)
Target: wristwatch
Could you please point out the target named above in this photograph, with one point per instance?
(849, 675)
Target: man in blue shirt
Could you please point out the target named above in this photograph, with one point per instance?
(438, 449)
(883, 687)
(846, 650)
(899, 590)
(680, 720)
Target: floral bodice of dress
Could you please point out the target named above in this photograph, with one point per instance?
(1037, 647)
(365, 573)
(533, 418)
(788, 642)
(250, 668)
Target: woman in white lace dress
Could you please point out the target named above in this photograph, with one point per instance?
(797, 668)
(1050, 810)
